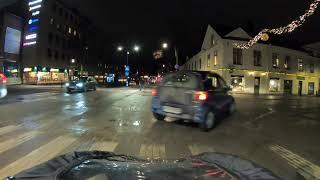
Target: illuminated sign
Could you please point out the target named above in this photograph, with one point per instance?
(33, 28)
(31, 36)
(29, 43)
(34, 2)
(27, 69)
(31, 21)
(54, 70)
(35, 13)
(34, 7)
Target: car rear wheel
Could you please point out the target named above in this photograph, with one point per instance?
(159, 117)
(210, 121)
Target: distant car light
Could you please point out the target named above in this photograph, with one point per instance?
(67, 84)
(154, 92)
(80, 85)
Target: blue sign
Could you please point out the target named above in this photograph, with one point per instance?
(33, 28)
(31, 21)
(127, 71)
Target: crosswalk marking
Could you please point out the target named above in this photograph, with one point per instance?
(15, 141)
(198, 149)
(7, 129)
(153, 151)
(104, 146)
(305, 167)
(38, 156)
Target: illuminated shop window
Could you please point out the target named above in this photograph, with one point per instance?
(274, 85)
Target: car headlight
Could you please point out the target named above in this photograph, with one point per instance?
(67, 84)
(80, 85)
(3, 93)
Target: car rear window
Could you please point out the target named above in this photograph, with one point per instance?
(181, 80)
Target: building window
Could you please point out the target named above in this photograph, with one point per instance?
(300, 65)
(275, 60)
(312, 68)
(49, 52)
(237, 56)
(200, 63)
(287, 62)
(195, 65)
(60, 11)
(51, 21)
(54, 7)
(74, 32)
(57, 39)
(274, 85)
(212, 40)
(50, 37)
(208, 60)
(237, 83)
(63, 57)
(66, 15)
(70, 30)
(215, 58)
(311, 88)
(256, 58)
(58, 26)
(56, 54)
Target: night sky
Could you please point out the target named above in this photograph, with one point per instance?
(183, 23)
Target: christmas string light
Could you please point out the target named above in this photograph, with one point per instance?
(284, 29)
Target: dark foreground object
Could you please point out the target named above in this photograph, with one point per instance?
(105, 165)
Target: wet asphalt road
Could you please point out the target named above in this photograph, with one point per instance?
(279, 133)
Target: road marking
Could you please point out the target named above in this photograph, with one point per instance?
(305, 167)
(15, 141)
(153, 151)
(7, 129)
(198, 149)
(38, 156)
(104, 146)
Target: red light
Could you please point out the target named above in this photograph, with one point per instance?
(201, 96)
(154, 92)
(3, 78)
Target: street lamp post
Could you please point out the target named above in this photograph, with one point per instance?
(127, 70)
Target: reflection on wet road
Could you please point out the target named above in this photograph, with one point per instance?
(267, 130)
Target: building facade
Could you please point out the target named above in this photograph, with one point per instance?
(53, 45)
(11, 33)
(262, 69)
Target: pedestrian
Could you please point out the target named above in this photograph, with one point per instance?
(141, 83)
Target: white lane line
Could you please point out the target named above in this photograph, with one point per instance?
(15, 141)
(7, 129)
(152, 151)
(38, 156)
(305, 167)
(198, 149)
(104, 146)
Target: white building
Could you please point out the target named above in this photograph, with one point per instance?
(262, 69)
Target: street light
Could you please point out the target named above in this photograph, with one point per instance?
(165, 45)
(120, 48)
(73, 61)
(136, 48)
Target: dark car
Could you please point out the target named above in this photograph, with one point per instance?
(198, 97)
(82, 84)
(110, 166)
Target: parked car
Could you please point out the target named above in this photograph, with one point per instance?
(198, 97)
(3, 87)
(82, 84)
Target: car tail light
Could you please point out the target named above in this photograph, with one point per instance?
(200, 96)
(154, 92)
(3, 78)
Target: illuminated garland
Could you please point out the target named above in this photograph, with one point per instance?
(281, 30)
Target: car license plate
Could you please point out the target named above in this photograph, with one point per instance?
(173, 110)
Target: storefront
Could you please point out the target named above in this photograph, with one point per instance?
(237, 83)
(11, 71)
(44, 75)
